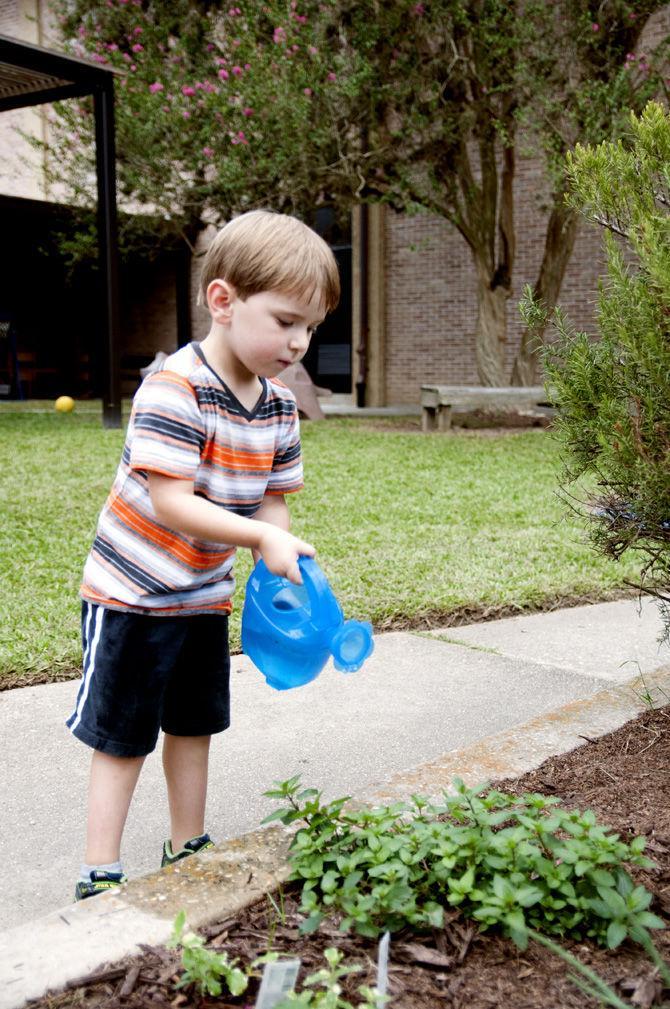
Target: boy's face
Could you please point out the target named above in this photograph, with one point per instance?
(269, 331)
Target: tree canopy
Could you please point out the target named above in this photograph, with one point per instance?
(328, 102)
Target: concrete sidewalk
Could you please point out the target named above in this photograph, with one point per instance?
(483, 701)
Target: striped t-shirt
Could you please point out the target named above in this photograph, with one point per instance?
(185, 423)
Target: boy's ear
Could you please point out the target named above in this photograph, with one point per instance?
(220, 297)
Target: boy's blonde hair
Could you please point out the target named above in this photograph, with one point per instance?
(265, 251)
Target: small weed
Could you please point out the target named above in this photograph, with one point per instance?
(648, 693)
(322, 990)
(205, 968)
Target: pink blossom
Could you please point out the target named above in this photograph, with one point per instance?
(307, 91)
(156, 86)
(112, 47)
(419, 9)
(99, 59)
(237, 42)
(137, 48)
(300, 18)
(186, 114)
(248, 111)
(223, 74)
(279, 35)
(209, 47)
(208, 152)
(247, 66)
(295, 48)
(209, 88)
(312, 50)
(238, 71)
(595, 27)
(331, 76)
(133, 67)
(220, 61)
(81, 32)
(188, 91)
(138, 30)
(239, 138)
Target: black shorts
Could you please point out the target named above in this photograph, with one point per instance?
(143, 672)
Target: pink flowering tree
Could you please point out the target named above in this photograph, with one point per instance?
(300, 103)
(219, 108)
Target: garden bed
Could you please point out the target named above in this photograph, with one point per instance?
(624, 777)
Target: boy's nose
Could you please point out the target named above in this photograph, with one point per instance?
(300, 340)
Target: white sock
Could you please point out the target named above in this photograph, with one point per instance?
(86, 870)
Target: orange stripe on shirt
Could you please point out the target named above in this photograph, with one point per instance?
(238, 459)
(173, 544)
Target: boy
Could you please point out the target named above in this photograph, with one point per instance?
(212, 448)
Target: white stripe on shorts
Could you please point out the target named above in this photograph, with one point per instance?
(89, 661)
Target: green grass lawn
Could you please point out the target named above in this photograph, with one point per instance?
(409, 528)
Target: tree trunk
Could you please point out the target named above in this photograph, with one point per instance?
(558, 246)
(491, 331)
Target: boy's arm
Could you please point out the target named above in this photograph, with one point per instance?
(178, 507)
(274, 510)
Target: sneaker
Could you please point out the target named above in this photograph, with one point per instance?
(99, 882)
(195, 844)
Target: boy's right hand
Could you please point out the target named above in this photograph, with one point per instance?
(280, 550)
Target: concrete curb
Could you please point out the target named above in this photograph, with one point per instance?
(49, 953)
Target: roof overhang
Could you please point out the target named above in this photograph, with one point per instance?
(30, 75)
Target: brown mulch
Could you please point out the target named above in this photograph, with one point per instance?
(624, 777)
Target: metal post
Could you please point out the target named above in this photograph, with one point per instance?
(108, 252)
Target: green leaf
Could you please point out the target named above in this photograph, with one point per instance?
(649, 920)
(312, 923)
(237, 981)
(616, 933)
(279, 814)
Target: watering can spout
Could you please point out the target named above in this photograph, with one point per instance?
(290, 631)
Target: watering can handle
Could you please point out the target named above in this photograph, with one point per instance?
(320, 593)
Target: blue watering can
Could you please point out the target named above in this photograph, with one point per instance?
(290, 631)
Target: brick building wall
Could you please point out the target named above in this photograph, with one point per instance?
(431, 308)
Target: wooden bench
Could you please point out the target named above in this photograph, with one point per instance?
(438, 401)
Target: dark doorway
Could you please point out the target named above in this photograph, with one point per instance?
(55, 312)
(328, 359)
(52, 312)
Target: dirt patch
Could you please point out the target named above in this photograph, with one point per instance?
(624, 777)
(475, 424)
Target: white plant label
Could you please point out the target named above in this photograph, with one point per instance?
(383, 964)
(278, 980)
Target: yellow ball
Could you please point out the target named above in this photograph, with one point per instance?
(64, 404)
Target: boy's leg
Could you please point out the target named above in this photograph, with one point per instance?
(111, 786)
(185, 763)
(196, 705)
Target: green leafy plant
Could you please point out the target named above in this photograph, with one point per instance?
(516, 863)
(205, 968)
(323, 990)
